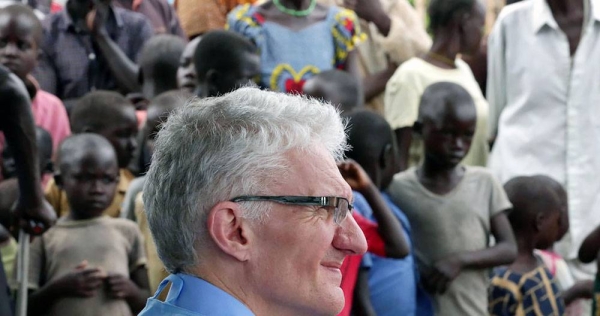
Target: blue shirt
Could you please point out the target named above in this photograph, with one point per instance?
(192, 296)
(393, 283)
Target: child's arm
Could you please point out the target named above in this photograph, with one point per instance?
(82, 282)
(134, 289)
(16, 121)
(590, 247)
(389, 227)
(580, 290)
(504, 252)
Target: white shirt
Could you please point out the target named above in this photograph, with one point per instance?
(545, 106)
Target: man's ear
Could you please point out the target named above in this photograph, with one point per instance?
(229, 230)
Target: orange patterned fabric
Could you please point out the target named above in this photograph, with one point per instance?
(200, 16)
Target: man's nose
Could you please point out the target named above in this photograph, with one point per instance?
(350, 238)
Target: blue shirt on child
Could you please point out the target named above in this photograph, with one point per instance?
(393, 282)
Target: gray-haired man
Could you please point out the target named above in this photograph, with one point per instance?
(248, 208)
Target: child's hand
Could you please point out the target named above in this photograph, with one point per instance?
(120, 286)
(443, 272)
(355, 175)
(83, 282)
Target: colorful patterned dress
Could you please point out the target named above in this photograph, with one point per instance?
(534, 293)
(290, 57)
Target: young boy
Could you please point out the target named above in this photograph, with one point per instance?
(392, 283)
(225, 61)
(21, 34)
(340, 88)
(159, 61)
(112, 116)
(453, 209)
(526, 287)
(88, 264)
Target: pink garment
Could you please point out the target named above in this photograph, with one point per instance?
(50, 114)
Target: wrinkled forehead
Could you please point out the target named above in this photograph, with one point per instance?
(312, 172)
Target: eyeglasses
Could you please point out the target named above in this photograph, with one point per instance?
(340, 206)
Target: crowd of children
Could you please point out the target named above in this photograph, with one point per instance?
(445, 235)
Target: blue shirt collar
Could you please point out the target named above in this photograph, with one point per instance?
(196, 295)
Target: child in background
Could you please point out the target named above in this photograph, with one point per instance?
(453, 209)
(88, 264)
(133, 207)
(392, 283)
(112, 116)
(186, 73)
(527, 287)
(224, 62)
(159, 61)
(20, 37)
(337, 87)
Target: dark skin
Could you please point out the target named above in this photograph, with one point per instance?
(272, 14)
(447, 139)
(121, 132)
(186, 74)
(569, 16)
(92, 16)
(16, 121)
(462, 35)
(373, 12)
(18, 47)
(590, 248)
(317, 88)
(90, 181)
(389, 226)
(242, 72)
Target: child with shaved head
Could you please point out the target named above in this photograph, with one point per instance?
(453, 209)
(88, 264)
(528, 287)
(111, 115)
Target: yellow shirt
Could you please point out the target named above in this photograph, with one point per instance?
(58, 199)
(156, 269)
(403, 96)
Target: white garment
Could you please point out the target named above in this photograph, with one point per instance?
(545, 106)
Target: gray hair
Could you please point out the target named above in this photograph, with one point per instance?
(214, 149)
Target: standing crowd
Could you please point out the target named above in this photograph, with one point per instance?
(431, 168)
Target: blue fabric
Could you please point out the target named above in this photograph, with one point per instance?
(192, 296)
(393, 282)
(531, 294)
(290, 57)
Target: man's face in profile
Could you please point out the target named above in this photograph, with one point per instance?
(300, 249)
